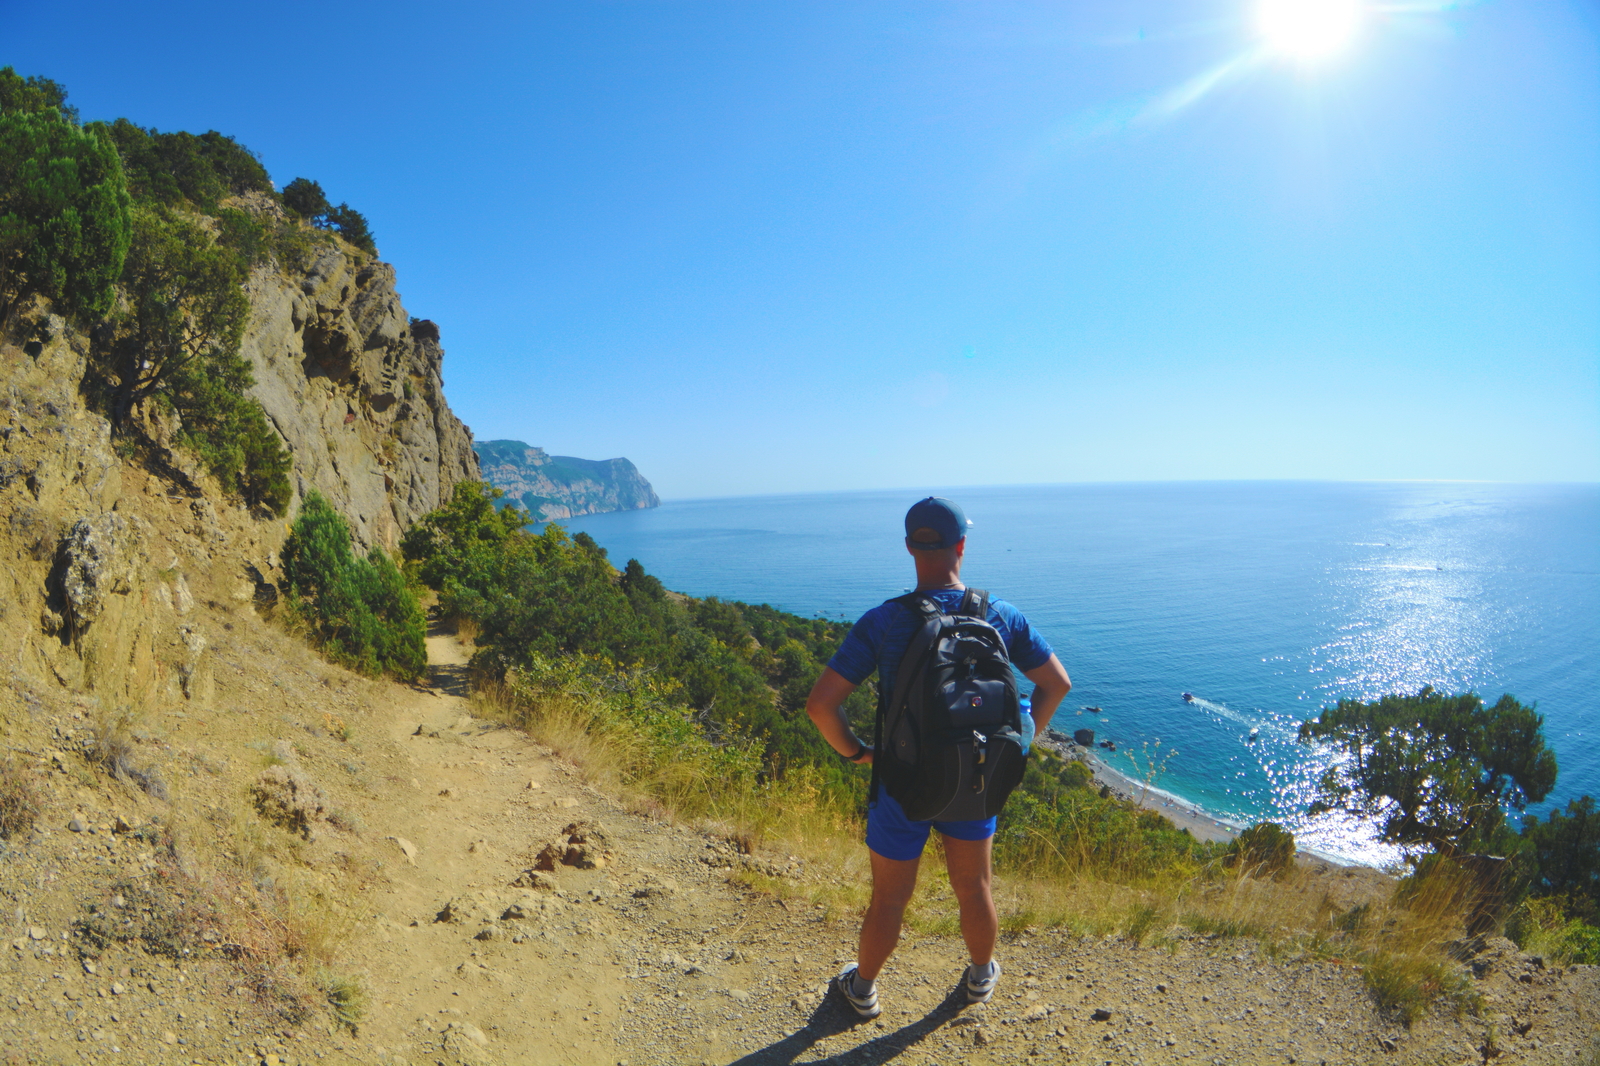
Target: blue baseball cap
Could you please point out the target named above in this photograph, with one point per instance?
(942, 516)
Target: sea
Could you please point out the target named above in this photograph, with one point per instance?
(1265, 601)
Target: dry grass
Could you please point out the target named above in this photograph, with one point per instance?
(113, 749)
(20, 803)
(1398, 937)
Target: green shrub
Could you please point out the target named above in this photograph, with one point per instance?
(1543, 926)
(64, 227)
(361, 610)
(1565, 852)
(1265, 847)
(306, 199)
(33, 94)
(174, 168)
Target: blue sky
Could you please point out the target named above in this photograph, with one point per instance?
(773, 247)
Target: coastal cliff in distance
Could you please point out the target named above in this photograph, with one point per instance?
(561, 486)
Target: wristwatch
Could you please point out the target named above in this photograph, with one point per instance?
(860, 751)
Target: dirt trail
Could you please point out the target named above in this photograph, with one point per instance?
(656, 955)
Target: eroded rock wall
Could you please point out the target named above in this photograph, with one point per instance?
(116, 550)
(356, 392)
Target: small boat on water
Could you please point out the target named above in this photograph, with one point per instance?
(1255, 731)
(1188, 697)
(1092, 710)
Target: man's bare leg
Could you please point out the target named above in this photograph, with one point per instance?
(969, 864)
(893, 881)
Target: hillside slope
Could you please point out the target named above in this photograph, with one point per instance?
(561, 486)
(642, 942)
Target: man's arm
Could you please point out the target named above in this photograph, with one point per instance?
(1053, 684)
(825, 706)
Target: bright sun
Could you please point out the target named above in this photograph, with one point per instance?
(1308, 29)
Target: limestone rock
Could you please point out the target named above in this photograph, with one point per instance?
(97, 560)
(561, 486)
(355, 392)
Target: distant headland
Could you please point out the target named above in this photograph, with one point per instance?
(561, 486)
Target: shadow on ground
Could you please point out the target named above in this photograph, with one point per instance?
(448, 678)
(832, 1018)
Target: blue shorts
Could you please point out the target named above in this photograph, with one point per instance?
(894, 836)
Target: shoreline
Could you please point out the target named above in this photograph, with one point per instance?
(1180, 812)
(1184, 815)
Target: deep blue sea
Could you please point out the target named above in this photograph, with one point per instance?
(1266, 600)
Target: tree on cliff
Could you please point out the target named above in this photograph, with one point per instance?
(305, 198)
(1566, 856)
(1432, 770)
(64, 227)
(179, 345)
(33, 94)
(186, 310)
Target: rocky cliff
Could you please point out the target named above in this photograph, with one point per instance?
(115, 546)
(561, 486)
(353, 385)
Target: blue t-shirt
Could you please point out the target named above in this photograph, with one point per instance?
(880, 639)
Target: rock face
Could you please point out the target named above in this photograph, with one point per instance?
(560, 486)
(114, 549)
(353, 385)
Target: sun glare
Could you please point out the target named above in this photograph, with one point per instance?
(1308, 29)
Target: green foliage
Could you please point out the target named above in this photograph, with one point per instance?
(178, 168)
(743, 670)
(351, 224)
(452, 549)
(33, 94)
(306, 199)
(1432, 770)
(1565, 852)
(1054, 824)
(64, 227)
(362, 610)
(1265, 847)
(178, 345)
(1545, 927)
(186, 310)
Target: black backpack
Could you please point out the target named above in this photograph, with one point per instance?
(950, 744)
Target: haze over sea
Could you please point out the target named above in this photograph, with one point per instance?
(1266, 600)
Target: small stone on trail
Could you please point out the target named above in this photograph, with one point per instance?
(534, 785)
(169, 1037)
(565, 801)
(1100, 1015)
(1161, 988)
(407, 848)
(118, 988)
(1037, 1014)
(35, 933)
(980, 1036)
(77, 825)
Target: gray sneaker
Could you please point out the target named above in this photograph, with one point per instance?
(979, 989)
(845, 985)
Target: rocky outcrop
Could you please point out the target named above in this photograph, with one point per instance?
(117, 551)
(561, 486)
(353, 385)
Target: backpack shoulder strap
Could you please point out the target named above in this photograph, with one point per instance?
(919, 602)
(927, 630)
(976, 604)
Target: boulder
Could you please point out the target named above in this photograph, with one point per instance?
(1084, 737)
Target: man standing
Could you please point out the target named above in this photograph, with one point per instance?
(936, 531)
